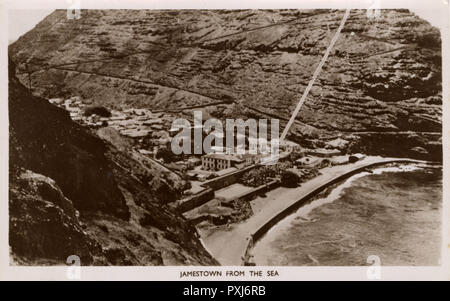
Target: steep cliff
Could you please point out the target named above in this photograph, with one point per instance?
(382, 81)
(70, 193)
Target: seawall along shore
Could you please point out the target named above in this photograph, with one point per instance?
(230, 244)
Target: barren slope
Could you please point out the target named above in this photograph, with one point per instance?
(382, 80)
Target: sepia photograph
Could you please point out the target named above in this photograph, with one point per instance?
(261, 137)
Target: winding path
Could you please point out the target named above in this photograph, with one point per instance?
(229, 244)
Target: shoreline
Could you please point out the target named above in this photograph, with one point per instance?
(373, 212)
(230, 244)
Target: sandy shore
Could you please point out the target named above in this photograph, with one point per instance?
(228, 243)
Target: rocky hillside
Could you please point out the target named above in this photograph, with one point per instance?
(380, 89)
(71, 193)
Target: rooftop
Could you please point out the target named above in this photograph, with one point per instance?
(223, 157)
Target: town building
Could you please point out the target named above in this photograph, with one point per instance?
(193, 162)
(249, 159)
(219, 161)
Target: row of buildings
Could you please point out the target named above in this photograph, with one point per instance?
(220, 161)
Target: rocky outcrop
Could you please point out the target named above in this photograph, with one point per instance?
(70, 193)
(44, 225)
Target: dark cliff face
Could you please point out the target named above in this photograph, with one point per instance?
(383, 75)
(48, 142)
(70, 193)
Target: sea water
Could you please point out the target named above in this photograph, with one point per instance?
(392, 212)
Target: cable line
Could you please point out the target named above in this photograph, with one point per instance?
(315, 75)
